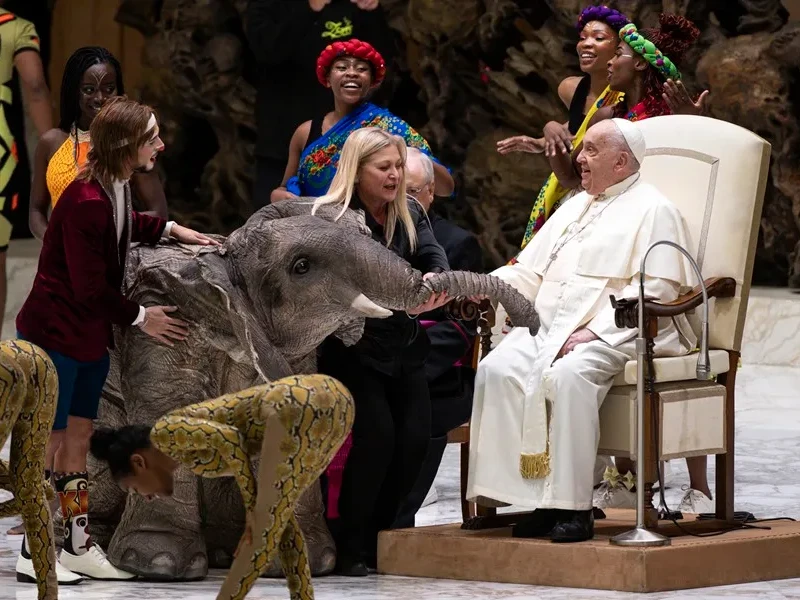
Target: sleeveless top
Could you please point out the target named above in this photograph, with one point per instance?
(578, 104)
(65, 163)
(315, 132)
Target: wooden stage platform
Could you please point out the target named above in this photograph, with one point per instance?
(742, 556)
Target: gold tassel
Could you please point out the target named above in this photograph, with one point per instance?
(534, 466)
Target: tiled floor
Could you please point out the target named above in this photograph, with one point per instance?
(767, 484)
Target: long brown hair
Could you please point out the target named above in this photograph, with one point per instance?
(117, 133)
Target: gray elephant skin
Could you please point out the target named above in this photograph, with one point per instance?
(258, 307)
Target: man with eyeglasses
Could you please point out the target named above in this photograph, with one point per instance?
(448, 367)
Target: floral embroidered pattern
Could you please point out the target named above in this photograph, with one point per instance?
(319, 160)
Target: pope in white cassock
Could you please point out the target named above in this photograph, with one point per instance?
(535, 425)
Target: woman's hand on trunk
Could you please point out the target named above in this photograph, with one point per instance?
(432, 303)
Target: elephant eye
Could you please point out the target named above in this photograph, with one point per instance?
(301, 266)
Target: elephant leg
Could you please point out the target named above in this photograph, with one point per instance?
(223, 518)
(303, 429)
(294, 559)
(160, 538)
(106, 499)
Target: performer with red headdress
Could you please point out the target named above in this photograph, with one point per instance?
(286, 37)
(352, 70)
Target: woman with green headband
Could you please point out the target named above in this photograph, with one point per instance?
(644, 69)
(598, 37)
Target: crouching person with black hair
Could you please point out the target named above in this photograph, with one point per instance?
(218, 438)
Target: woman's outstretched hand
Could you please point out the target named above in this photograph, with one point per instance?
(680, 102)
(521, 143)
(432, 303)
(557, 139)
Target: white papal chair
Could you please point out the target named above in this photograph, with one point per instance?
(715, 173)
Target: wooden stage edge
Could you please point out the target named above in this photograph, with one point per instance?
(742, 556)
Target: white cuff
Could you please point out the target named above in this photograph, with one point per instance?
(139, 319)
(167, 230)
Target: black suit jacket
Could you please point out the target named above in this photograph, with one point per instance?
(451, 387)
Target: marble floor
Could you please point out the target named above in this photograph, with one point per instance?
(767, 484)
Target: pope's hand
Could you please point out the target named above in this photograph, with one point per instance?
(579, 336)
(190, 236)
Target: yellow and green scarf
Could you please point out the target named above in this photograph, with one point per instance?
(552, 191)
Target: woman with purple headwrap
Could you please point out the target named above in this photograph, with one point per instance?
(598, 28)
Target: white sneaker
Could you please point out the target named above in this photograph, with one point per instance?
(93, 563)
(615, 491)
(27, 574)
(666, 474)
(695, 502)
(601, 463)
(431, 497)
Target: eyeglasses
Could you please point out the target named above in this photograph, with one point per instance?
(412, 191)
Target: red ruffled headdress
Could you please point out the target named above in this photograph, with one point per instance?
(355, 48)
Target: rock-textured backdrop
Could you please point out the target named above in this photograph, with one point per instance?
(470, 72)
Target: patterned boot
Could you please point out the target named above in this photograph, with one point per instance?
(80, 554)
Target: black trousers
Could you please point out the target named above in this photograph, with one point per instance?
(391, 432)
(269, 175)
(448, 412)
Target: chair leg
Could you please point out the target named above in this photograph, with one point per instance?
(723, 487)
(467, 508)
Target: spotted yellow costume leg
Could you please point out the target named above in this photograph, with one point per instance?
(28, 395)
(296, 424)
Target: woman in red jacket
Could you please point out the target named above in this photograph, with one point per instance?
(76, 299)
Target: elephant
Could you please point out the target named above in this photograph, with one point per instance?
(258, 306)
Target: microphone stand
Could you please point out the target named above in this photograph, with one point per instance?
(640, 535)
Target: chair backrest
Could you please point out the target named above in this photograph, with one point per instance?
(715, 173)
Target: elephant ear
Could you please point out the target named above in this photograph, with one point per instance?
(195, 279)
(354, 219)
(248, 332)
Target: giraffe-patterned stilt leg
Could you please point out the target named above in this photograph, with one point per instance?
(28, 394)
(306, 419)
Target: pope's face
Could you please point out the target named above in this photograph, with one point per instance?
(599, 162)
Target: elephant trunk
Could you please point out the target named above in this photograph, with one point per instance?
(464, 283)
(398, 286)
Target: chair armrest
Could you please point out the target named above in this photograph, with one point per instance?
(627, 309)
(463, 309)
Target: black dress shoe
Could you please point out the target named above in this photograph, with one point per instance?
(537, 524)
(348, 566)
(573, 526)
